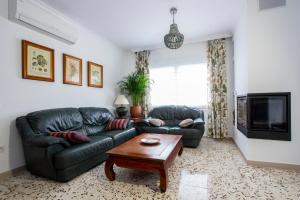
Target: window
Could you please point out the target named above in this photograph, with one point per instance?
(179, 85)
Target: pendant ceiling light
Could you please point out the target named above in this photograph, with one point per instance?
(174, 39)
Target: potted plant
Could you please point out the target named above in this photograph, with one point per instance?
(135, 85)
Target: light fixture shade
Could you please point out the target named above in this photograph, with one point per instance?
(174, 39)
(121, 100)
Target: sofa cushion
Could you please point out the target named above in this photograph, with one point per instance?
(163, 112)
(71, 136)
(151, 129)
(117, 124)
(172, 122)
(81, 152)
(95, 119)
(187, 133)
(185, 112)
(54, 120)
(46, 141)
(156, 122)
(185, 123)
(173, 115)
(120, 136)
(95, 116)
(93, 130)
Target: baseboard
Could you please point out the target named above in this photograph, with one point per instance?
(273, 165)
(267, 164)
(13, 172)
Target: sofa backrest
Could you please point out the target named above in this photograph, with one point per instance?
(173, 115)
(95, 119)
(52, 120)
(87, 120)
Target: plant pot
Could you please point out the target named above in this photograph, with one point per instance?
(136, 111)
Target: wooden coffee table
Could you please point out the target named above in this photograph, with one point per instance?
(135, 155)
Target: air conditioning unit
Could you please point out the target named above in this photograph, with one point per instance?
(38, 14)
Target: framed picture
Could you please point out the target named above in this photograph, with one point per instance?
(72, 70)
(95, 75)
(37, 62)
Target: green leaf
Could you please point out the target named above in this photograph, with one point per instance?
(135, 85)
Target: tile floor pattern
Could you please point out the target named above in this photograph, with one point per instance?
(215, 170)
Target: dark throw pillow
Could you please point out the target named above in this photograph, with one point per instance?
(71, 136)
(117, 124)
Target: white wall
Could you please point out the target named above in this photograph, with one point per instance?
(197, 53)
(272, 64)
(240, 41)
(274, 46)
(20, 96)
(230, 82)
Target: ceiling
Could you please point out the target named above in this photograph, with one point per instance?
(141, 24)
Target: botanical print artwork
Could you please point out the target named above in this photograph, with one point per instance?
(38, 62)
(95, 75)
(72, 70)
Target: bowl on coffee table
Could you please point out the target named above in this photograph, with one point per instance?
(150, 141)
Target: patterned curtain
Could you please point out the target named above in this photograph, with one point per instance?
(142, 65)
(217, 81)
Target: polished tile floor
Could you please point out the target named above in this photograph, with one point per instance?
(215, 170)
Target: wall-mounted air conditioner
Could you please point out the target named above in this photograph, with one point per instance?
(38, 14)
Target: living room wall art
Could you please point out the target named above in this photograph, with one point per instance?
(72, 70)
(95, 75)
(37, 62)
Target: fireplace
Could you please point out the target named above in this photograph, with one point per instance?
(264, 115)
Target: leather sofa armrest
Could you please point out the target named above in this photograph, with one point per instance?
(39, 150)
(198, 124)
(142, 122)
(46, 141)
(24, 128)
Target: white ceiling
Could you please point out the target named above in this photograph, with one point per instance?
(141, 24)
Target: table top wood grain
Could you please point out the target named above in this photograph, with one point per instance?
(134, 148)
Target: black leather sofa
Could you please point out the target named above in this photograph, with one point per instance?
(172, 116)
(54, 157)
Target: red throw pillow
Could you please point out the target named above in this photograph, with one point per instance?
(117, 124)
(71, 136)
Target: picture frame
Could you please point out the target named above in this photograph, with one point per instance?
(95, 75)
(37, 62)
(72, 70)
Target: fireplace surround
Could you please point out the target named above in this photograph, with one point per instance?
(265, 115)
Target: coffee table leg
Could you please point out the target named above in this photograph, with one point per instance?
(163, 179)
(109, 170)
(180, 151)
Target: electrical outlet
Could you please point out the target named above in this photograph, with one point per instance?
(1, 149)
